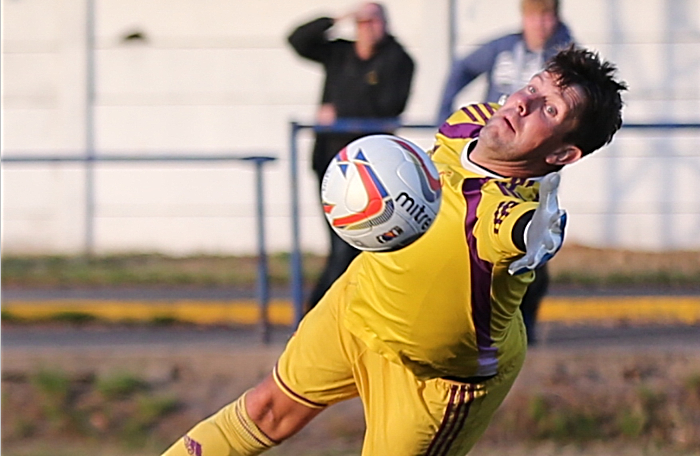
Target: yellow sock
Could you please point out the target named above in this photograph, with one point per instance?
(230, 432)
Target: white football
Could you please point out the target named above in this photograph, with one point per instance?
(381, 192)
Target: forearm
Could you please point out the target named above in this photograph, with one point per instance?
(309, 39)
(456, 81)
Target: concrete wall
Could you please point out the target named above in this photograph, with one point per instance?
(217, 76)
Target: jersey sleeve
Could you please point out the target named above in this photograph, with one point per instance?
(503, 203)
(309, 40)
(461, 128)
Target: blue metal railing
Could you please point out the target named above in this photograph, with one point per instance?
(296, 267)
(370, 126)
(262, 285)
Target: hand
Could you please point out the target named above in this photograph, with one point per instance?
(325, 114)
(345, 16)
(544, 234)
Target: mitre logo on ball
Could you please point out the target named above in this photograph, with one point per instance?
(381, 192)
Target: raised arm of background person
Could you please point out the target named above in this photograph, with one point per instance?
(309, 40)
(463, 72)
(376, 87)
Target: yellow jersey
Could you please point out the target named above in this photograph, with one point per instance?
(446, 306)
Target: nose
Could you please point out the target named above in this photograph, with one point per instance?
(525, 102)
(522, 103)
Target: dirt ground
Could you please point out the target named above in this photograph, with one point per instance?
(207, 377)
(661, 388)
(607, 261)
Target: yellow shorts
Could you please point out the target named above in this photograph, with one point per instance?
(324, 363)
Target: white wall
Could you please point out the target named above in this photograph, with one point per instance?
(217, 76)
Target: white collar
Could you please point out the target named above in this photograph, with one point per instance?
(473, 167)
(480, 170)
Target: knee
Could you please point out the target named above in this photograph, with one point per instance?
(278, 416)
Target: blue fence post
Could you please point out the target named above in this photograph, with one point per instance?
(263, 281)
(297, 279)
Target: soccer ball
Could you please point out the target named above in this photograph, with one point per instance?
(381, 193)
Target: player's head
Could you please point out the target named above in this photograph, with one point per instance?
(600, 116)
(570, 109)
(540, 20)
(371, 23)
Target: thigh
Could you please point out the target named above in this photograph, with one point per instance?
(406, 416)
(315, 368)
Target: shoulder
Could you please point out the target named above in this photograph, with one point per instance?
(470, 117)
(562, 37)
(393, 46)
(505, 42)
(516, 189)
(460, 129)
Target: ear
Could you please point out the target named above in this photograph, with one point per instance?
(564, 156)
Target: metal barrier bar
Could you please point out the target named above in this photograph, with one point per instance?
(131, 158)
(263, 280)
(296, 269)
(263, 287)
(661, 126)
(356, 125)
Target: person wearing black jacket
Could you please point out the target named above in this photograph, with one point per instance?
(366, 78)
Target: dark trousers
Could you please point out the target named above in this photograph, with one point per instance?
(341, 253)
(532, 300)
(339, 258)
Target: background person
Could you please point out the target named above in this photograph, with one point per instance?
(430, 336)
(366, 78)
(509, 62)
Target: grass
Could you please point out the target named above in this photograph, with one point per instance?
(647, 416)
(140, 269)
(123, 409)
(52, 405)
(573, 266)
(119, 386)
(664, 279)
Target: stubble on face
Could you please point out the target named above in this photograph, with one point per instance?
(520, 135)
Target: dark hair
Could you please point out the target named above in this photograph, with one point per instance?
(601, 114)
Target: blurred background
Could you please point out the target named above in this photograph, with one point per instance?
(186, 77)
(117, 352)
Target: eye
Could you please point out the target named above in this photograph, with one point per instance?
(530, 89)
(551, 110)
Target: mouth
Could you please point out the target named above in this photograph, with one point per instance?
(509, 124)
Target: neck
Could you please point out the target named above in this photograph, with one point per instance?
(364, 51)
(506, 168)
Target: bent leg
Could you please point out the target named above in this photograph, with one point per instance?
(312, 373)
(258, 420)
(409, 417)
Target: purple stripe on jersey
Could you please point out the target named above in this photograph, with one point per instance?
(460, 130)
(509, 188)
(480, 282)
(486, 110)
(298, 396)
(470, 114)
